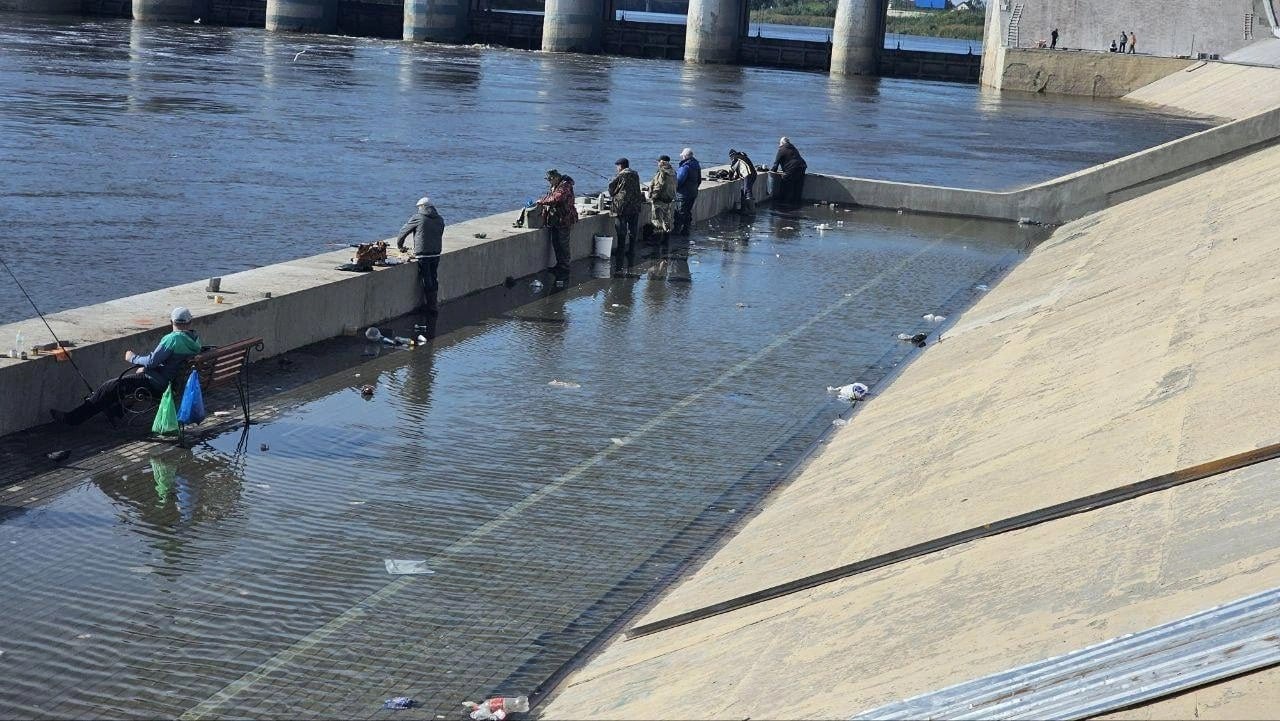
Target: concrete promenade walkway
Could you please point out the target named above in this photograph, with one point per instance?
(1136, 341)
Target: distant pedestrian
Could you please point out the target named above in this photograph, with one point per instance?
(427, 228)
(624, 193)
(740, 166)
(1053, 39)
(793, 167)
(559, 215)
(1133, 42)
(688, 178)
(1124, 40)
(662, 193)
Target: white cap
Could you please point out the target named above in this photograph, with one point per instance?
(180, 316)
(686, 153)
(424, 200)
(783, 140)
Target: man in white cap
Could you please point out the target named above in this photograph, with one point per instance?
(427, 228)
(153, 371)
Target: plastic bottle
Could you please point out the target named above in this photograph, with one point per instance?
(497, 708)
(17, 346)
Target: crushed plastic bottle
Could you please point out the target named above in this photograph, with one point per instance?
(564, 384)
(851, 392)
(373, 335)
(932, 318)
(536, 286)
(496, 708)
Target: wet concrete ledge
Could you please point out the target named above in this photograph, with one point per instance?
(310, 301)
(1071, 196)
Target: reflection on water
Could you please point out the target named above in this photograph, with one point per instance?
(246, 575)
(186, 152)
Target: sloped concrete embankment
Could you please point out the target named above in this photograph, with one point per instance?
(1136, 341)
(310, 302)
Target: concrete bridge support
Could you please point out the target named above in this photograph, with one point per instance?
(441, 21)
(573, 26)
(305, 16)
(714, 30)
(858, 37)
(169, 11)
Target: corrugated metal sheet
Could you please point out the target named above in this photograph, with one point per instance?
(1218, 643)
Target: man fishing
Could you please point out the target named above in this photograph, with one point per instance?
(154, 371)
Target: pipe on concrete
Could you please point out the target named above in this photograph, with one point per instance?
(170, 11)
(713, 31)
(856, 40)
(441, 21)
(573, 26)
(305, 16)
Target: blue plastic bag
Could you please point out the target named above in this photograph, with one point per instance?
(192, 408)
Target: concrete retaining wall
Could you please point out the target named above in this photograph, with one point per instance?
(310, 302)
(1098, 75)
(1071, 196)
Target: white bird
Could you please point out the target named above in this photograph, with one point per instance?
(197, 21)
(298, 55)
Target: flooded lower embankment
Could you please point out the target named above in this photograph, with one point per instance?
(552, 464)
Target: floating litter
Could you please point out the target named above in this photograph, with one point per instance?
(399, 702)
(851, 392)
(981, 287)
(618, 442)
(840, 423)
(931, 318)
(407, 568)
(824, 226)
(535, 286)
(564, 384)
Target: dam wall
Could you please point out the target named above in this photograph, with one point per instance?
(309, 301)
(1094, 75)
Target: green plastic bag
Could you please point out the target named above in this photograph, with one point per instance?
(166, 415)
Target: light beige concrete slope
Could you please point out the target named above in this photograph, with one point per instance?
(1215, 89)
(1254, 696)
(1134, 342)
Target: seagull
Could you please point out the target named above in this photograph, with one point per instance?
(300, 52)
(197, 21)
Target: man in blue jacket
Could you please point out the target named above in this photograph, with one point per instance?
(155, 370)
(688, 178)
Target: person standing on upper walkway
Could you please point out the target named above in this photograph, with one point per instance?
(1124, 40)
(1133, 42)
(740, 166)
(793, 167)
(427, 228)
(662, 193)
(559, 215)
(1053, 39)
(625, 202)
(688, 178)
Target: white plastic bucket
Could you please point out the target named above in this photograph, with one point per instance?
(603, 246)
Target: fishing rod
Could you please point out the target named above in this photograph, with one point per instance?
(46, 324)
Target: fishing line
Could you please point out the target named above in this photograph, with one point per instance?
(46, 324)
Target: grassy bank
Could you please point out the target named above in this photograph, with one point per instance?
(961, 25)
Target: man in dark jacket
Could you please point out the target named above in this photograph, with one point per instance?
(153, 371)
(788, 160)
(624, 192)
(427, 228)
(688, 178)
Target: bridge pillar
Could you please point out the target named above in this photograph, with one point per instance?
(858, 37)
(713, 31)
(304, 16)
(169, 11)
(441, 21)
(573, 26)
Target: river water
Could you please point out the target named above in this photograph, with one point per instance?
(136, 156)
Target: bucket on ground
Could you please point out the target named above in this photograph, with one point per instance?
(603, 246)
